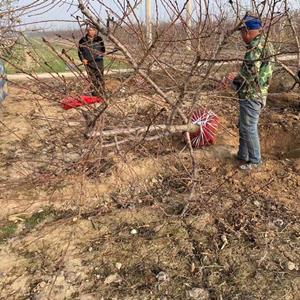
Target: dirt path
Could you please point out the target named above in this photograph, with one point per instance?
(21, 77)
(16, 77)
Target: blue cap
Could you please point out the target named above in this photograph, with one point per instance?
(251, 23)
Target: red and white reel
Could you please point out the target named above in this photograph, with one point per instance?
(207, 122)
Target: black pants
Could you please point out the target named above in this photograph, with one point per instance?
(95, 72)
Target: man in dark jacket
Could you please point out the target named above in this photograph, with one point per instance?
(91, 51)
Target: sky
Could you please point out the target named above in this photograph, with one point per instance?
(54, 14)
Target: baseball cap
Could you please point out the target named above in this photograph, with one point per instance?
(250, 23)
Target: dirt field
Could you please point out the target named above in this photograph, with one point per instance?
(128, 228)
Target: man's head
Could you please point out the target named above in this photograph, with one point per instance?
(250, 28)
(91, 31)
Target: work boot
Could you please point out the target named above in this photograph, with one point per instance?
(249, 166)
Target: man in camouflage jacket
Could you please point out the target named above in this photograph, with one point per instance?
(251, 84)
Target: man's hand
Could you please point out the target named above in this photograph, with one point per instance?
(231, 76)
(228, 79)
(85, 61)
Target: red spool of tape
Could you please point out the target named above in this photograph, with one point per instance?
(208, 123)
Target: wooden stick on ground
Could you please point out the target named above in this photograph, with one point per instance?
(138, 130)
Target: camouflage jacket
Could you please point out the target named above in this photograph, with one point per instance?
(253, 80)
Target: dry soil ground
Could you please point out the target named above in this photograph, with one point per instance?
(125, 231)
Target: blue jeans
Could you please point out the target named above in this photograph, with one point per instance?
(249, 148)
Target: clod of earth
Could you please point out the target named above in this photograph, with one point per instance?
(162, 276)
(291, 266)
(198, 294)
(114, 278)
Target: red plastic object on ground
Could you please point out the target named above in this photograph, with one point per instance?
(208, 123)
(72, 102)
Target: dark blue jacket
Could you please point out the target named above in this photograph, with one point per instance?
(91, 49)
